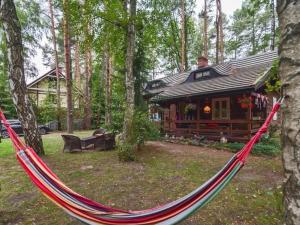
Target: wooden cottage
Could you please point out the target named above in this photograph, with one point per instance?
(227, 99)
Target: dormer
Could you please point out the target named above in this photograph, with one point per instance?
(202, 74)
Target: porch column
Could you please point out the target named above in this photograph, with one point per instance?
(198, 114)
(250, 118)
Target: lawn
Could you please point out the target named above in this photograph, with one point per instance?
(162, 172)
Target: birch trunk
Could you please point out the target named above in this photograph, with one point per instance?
(56, 65)
(289, 52)
(12, 30)
(129, 81)
(67, 51)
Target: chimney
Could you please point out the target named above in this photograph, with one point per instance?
(202, 62)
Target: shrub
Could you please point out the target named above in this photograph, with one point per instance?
(273, 129)
(126, 152)
(266, 146)
(143, 128)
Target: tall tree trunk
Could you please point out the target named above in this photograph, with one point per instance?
(87, 90)
(289, 55)
(273, 25)
(77, 72)
(205, 33)
(108, 87)
(58, 106)
(67, 51)
(129, 81)
(221, 32)
(183, 34)
(12, 30)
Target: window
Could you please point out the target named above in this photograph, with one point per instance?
(221, 109)
(202, 74)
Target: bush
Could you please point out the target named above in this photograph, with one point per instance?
(126, 152)
(267, 146)
(143, 128)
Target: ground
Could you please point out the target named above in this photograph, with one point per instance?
(163, 172)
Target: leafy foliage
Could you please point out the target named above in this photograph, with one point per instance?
(267, 146)
(273, 84)
(144, 129)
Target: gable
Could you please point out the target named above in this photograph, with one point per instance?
(49, 74)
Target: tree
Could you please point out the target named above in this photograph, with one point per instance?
(12, 30)
(220, 33)
(87, 89)
(77, 71)
(205, 25)
(58, 106)
(183, 37)
(108, 73)
(273, 25)
(289, 55)
(67, 52)
(129, 82)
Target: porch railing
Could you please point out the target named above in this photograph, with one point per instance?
(215, 127)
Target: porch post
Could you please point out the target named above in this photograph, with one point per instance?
(250, 115)
(173, 117)
(198, 114)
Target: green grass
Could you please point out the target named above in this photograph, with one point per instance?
(158, 176)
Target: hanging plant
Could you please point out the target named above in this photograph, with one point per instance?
(245, 102)
(190, 107)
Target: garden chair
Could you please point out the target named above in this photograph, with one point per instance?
(71, 143)
(99, 131)
(109, 141)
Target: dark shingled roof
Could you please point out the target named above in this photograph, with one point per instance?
(241, 74)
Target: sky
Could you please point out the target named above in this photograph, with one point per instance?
(228, 7)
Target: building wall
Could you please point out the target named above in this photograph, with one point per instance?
(39, 91)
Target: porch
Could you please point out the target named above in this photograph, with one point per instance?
(236, 116)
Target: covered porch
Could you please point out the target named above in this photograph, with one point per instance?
(235, 116)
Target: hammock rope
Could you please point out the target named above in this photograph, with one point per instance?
(94, 213)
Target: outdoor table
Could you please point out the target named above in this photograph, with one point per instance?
(85, 142)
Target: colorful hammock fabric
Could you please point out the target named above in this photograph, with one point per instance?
(91, 212)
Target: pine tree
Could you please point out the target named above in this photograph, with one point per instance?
(67, 53)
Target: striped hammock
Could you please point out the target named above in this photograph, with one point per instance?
(91, 212)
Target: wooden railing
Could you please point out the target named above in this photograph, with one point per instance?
(215, 127)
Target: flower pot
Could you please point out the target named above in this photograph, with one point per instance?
(244, 105)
